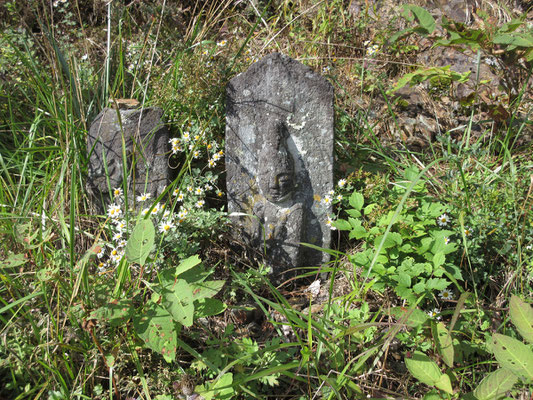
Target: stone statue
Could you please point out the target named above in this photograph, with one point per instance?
(279, 161)
(280, 219)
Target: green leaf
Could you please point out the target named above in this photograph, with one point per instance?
(357, 200)
(158, 331)
(439, 259)
(141, 242)
(208, 307)
(415, 317)
(513, 355)
(403, 279)
(495, 385)
(178, 300)
(187, 264)
(342, 225)
(353, 213)
(391, 240)
(116, 312)
(206, 289)
(368, 209)
(423, 368)
(358, 232)
(514, 39)
(13, 260)
(424, 18)
(522, 317)
(444, 384)
(444, 343)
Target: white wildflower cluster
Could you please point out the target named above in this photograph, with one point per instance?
(371, 49)
(334, 197)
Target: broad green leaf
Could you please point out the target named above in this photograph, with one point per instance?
(353, 213)
(187, 264)
(444, 384)
(444, 343)
(522, 317)
(156, 327)
(207, 307)
(116, 312)
(391, 240)
(439, 259)
(424, 18)
(403, 279)
(358, 232)
(368, 209)
(514, 39)
(423, 368)
(13, 260)
(178, 300)
(202, 290)
(495, 385)
(141, 242)
(415, 317)
(513, 355)
(357, 200)
(342, 225)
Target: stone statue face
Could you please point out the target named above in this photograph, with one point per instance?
(276, 167)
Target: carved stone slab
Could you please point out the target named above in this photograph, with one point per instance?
(279, 160)
(146, 143)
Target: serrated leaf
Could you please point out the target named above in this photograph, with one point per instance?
(495, 385)
(115, 312)
(423, 368)
(158, 331)
(444, 343)
(141, 242)
(187, 264)
(357, 200)
(353, 213)
(513, 355)
(178, 301)
(206, 289)
(208, 307)
(444, 384)
(521, 314)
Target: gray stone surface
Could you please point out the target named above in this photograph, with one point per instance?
(279, 160)
(146, 143)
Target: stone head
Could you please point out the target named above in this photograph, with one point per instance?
(276, 166)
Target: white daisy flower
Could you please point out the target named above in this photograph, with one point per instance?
(341, 183)
(339, 197)
(117, 192)
(446, 240)
(199, 204)
(186, 136)
(468, 231)
(114, 211)
(182, 213)
(434, 314)
(211, 163)
(99, 251)
(329, 223)
(198, 191)
(219, 193)
(120, 225)
(190, 189)
(145, 212)
(446, 294)
(326, 200)
(196, 154)
(144, 197)
(117, 236)
(443, 220)
(166, 226)
(222, 43)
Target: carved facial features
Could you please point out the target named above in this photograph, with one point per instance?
(276, 169)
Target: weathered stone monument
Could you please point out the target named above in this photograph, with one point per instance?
(146, 147)
(279, 160)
